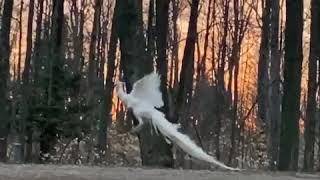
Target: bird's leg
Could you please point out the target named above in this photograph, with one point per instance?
(138, 127)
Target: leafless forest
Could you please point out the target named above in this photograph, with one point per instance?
(241, 76)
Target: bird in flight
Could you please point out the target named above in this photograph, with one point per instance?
(143, 100)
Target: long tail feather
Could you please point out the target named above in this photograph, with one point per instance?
(171, 133)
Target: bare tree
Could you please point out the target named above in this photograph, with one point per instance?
(4, 74)
(77, 24)
(274, 94)
(36, 52)
(202, 65)
(241, 21)
(136, 62)
(17, 124)
(20, 40)
(269, 78)
(93, 65)
(223, 46)
(151, 31)
(162, 20)
(97, 97)
(187, 69)
(111, 64)
(310, 123)
(105, 89)
(54, 104)
(262, 65)
(175, 44)
(26, 70)
(26, 88)
(289, 137)
(30, 128)
(218, 109)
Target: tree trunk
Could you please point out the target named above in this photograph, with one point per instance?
(234, 64)
(17, 125)
(289, 137)
(26, 89)
(314, 56)
(223, 46)
(269, 89)
(26, 74)
(31, 132)
(113, 42)
(20, 40)
(209, 22)
(77, 21)
(56, 80)
(104, 116)
(36, 54)
(95, 82)
(162, 21)
(184, 95)
(217, 124)
(135, 63)
(187, 69)
(93, 65)
(219, 75)
(274, 93)
(175, 44)
(151, 31)
(4, 74)
(234, 128)
(263, 66)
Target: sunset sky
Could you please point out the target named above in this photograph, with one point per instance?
(249, 51)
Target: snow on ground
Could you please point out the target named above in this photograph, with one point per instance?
(52, 172)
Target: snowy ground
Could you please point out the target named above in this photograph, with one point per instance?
(49, 172)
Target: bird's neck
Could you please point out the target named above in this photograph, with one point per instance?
(123, 96)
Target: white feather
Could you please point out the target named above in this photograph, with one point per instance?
(171, 133)
(142, 100)
(147, 89)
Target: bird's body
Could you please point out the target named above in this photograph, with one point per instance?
(143, 99)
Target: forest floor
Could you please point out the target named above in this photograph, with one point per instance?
(53, 172)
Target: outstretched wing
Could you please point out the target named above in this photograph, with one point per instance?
(147, 89)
